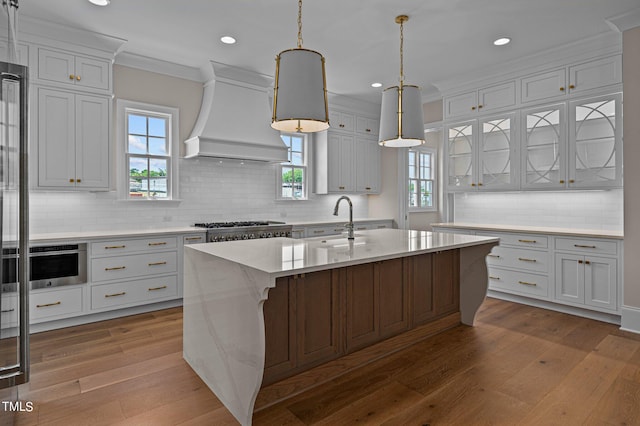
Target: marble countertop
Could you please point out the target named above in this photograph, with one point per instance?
(91, 235)
(573, 232)
(283, 256)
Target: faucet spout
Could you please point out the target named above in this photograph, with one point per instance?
(349, 225)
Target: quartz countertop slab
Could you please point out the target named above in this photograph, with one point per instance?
(573, 232)
(92, 235)
(284, 256)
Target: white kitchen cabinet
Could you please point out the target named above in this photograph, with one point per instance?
(73, 140)
(341, 173)
(586, 280)
(575, 79)
(367, 126)
(9, 310)
(486, 99)
(367, 166)
(55, 303)
(482, 154)
(342, 121)
(582, 151)
(55, 66)
(135, 292)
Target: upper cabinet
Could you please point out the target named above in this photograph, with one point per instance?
(68, 69)
(482, 154)
(557, 129)
(575, 79)
(347, 156)
(487, 99)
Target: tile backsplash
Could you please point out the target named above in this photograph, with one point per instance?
(210, 190)
(573, 209)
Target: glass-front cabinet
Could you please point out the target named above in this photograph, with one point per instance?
(481, 154)
(595, 154)
(544, 147)
(581, 150)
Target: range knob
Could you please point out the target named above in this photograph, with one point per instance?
(269, 235)
(252, 236)
(245, 236)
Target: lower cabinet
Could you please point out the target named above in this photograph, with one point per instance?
(55, 303)
(586, 280)
(316, 317)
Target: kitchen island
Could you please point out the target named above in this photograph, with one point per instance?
(341, 294)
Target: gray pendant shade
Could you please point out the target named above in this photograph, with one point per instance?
(405, 131)
(300, 94)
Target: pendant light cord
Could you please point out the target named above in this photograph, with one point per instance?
(401, 51)
(299, 24)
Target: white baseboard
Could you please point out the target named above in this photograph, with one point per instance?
(630, 319)
(572, 310)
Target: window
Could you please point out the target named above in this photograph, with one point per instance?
(149, 169)
(421, 183)
(292, 175)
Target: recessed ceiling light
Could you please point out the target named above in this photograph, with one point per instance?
(376, 84)
(502, 41)
(100, 2)
(227, 40)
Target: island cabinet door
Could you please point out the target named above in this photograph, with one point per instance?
(420, 277)
(280, 330)
(446, 281)
(361, 306)
(318, 317)
(394, 297)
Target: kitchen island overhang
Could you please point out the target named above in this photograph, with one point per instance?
(226, 285)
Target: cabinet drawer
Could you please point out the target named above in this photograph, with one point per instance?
(518, 282)
(320, 231)
(115, 247)
(133, 292)
(518, 240)
(9, 312)
(43, 305)
(527, 260)
(120, 267)
(194, 239)
(595, 246)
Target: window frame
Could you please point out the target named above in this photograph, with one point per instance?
(287, 165)
(124, 108)
(434, 178)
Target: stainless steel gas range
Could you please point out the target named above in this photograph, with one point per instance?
(247, 230)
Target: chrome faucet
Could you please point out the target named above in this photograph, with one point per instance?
(349, 225)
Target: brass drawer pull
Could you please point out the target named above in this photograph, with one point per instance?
(361, 229)
(583, 246)
(49, 304)
(528, 241)
(494, 278)
(115, 268)
(381, 226)
(4, 311)
(493, 255)
(527, 283)
(157, 263)
(115, 294)
(338, 229)
(341, 187)
(193, 238)
(368, 188)
(114, 247)
(524, 259)
(158, 288)
(319, 232)
(158, 244)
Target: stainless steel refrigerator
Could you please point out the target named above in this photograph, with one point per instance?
(14, 244)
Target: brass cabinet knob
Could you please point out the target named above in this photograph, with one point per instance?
(78, 180)
(562, 181)
(71, 180)
(473, 108)
(71, 76)
(473, 184)
(341, 187)
(479, 106)
(368, 130)
(78, 77)
(562, 89)
(368, 188)
(480, 184)
(341, 125)
(571, 181)
(571, 86)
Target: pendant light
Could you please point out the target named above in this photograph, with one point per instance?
(300, 89)
(401, 123)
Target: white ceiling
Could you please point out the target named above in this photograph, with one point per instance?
(359, 38)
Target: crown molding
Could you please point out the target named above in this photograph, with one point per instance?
(146, 63)
(626, 21)
(608, 43)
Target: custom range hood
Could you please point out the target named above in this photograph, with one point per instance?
(235, 118)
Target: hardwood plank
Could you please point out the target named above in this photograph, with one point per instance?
(623, 394)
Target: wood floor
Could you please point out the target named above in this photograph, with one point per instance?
(519, 365)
